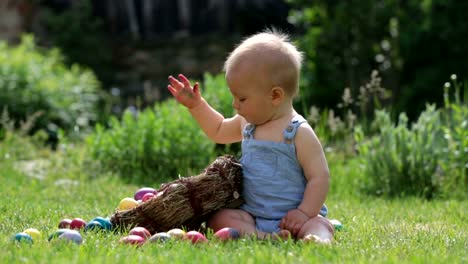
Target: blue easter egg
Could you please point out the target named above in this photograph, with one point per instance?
(336, 224)
(106, 223)
(23, 237)
(94, 226)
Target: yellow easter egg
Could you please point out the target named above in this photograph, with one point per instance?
(34, 233)
(177, 233)
(127, 203)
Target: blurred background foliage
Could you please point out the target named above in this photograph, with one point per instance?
(374, 84)
(39, 92)
(165, 140)
(414, 45)
(132, 46)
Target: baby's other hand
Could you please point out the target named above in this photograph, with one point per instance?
(293, 221)
(183, 91)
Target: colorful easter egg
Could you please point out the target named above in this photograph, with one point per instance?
(77, 223)
(132, 240)
(127, 204)
(93, 226)
(23, 238)
(196, 237)
(33, 232)
(227, 233)
(177, 233)
(160, 237)
(140, 231)
(71, 236)
(336, 224)
(57, 233)
(105, 222)
(141, 192)
(64, 223)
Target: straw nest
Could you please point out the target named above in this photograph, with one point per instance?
(187, 202)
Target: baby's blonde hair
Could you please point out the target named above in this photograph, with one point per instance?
(273, 52)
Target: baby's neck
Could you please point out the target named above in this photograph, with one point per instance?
(286, 111)
(273, 129)
(278, 122)
(286, 115)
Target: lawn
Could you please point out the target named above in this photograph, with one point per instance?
(376, 230)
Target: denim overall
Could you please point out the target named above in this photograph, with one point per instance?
(274, 181)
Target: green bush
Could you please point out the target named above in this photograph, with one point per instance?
(81, 36)
(15, 144)
(429, 159)
(160, 143)
(344, 40)
(33, 81)
(16, 147)
(216, 93)
(401, 161)
(335, 126)
(454, 165)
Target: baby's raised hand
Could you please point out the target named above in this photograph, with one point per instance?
(183, 91)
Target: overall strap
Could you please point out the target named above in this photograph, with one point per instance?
(291, 130)
(249, 131)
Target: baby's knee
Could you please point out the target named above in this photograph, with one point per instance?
(318, 225)
(224, 216)
(326, 223)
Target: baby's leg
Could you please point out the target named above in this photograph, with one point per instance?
(318, 230)
(234, 218)
(238, 219)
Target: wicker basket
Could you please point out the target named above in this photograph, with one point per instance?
(187, 202)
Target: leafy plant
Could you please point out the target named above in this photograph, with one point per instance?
(216, 93)
(158, 143)
(335, 126)
(81, 36)
(401, 160)
(33, 80)
(155, 144)
(344, 40)
(428, 159)
(453, 169)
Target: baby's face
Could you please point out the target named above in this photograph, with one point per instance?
(251, 95)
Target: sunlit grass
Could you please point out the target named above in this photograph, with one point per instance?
(378, 230)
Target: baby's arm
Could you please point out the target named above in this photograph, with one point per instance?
(216, 127)
(314, 164)
(312, 159)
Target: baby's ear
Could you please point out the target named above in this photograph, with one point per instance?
(277, 95)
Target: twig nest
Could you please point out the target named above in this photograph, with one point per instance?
(188, 202)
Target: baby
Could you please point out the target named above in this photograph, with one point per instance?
(286, 176)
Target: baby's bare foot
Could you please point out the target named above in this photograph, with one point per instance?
(316, 239)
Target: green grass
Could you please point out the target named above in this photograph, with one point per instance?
(376, 230)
